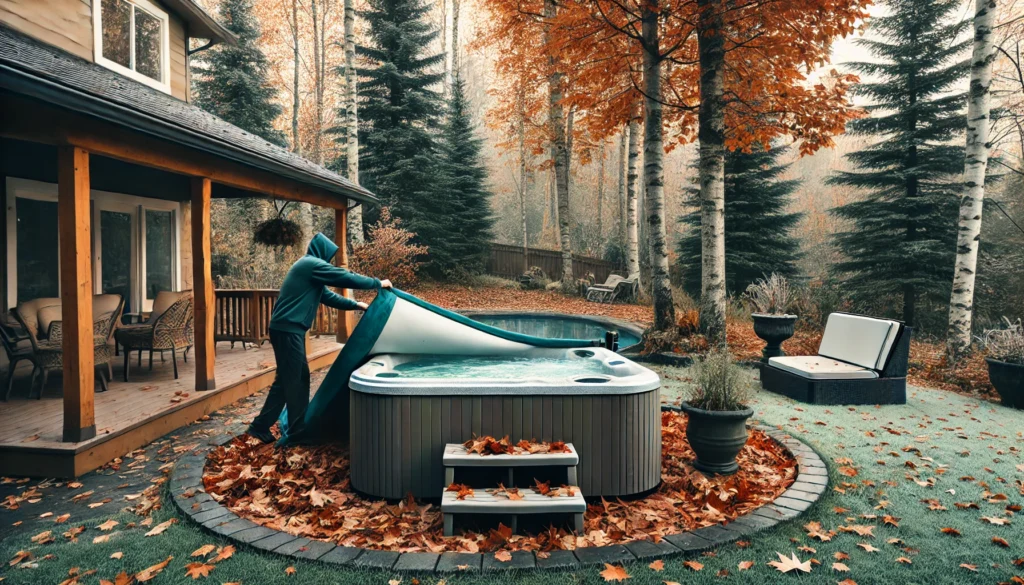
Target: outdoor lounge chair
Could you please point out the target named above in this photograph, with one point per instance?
(44, 314)
(861, 360)
(613, 288)
(168, 332)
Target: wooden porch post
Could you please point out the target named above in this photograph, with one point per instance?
(74, 224)
(346, 319)
(202, 285)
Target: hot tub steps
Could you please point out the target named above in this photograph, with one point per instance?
(514, 501)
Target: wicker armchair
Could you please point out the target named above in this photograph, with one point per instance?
(17, 346)
(168, 332)
(48, 351)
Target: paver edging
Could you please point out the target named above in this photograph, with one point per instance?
(188, 494)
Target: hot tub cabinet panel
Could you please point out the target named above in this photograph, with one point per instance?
(397, 441)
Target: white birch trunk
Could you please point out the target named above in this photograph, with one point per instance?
(632, 197)
(623, 137)
(355, 214)
(600, 196)
(556, 120)
(522, 182)
(961, 302)
(711, 171)
(654, 172)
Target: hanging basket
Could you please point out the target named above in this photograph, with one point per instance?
(278, 232)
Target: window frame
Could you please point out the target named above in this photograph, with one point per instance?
(165, 43)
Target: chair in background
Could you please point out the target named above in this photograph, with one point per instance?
(48, 350)
(167, 332)
(17, 346)
(616, 287)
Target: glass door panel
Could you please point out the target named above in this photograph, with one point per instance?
(159, 252)
(116, 255)
(38, 267)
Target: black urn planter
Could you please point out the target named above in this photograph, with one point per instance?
(773, 329)
(716, 437)
(1008, 380)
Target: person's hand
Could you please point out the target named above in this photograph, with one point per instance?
(385, 283)
(362, 306)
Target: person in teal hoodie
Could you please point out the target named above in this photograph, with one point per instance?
(303, 290)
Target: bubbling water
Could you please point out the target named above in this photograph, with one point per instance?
(499, 367)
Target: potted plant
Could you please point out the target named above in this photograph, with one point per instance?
(717, 413)
(1005, 358)
(770, 297)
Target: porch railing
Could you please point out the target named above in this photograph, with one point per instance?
(244, 315)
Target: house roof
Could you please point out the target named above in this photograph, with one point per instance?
(200, 23)
(34, 69)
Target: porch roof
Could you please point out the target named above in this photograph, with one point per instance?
(36, 70)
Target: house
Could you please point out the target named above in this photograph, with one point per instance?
(106, 178)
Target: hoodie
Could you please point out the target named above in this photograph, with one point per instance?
(305, 287)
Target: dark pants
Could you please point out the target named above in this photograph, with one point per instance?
(291, 384)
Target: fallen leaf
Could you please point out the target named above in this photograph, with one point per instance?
(61, 519)
(951, 531)
(904, 560)
(614, 573)
(289, 571)
(996, 521)
(116, 555)
(159, 528)
(658, 565)
(694, 565)
(150, 572)
(1001, 541)
(840, 567)
(203, 550)
(107, 525)
(746, 565)
(43, 537)
(784, 565)
(972, 568)
(867, 547)
(197, 570)
(224, 553)
(503, 556)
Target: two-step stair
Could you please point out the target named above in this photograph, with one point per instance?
(458, 462)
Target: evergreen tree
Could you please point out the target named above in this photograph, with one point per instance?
(463, 192)
(903, 233)
(400, 115)
(231, 82)
(758, 235)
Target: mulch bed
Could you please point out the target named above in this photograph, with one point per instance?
(306, 492)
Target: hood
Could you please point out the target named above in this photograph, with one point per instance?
(322, 247)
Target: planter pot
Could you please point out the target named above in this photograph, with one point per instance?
(1008, 380)
(773, 329)
(716, 437)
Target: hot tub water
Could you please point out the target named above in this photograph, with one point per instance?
(499, 367)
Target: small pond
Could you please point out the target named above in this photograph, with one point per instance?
(561, 326)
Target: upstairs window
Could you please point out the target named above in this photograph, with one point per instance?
(132, 38)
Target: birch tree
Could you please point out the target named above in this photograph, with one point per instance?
(355, 214)
(621, 226)
(961, 302)
(632, 197)
(557, 122)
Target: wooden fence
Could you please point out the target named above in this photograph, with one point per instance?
(507, 261)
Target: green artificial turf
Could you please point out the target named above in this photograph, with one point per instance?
(963, 436)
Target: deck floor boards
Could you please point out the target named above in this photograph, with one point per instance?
(30, 423)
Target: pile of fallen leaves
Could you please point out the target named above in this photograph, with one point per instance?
(488, 445)
(306, 491)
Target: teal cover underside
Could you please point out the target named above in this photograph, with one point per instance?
(327, 415)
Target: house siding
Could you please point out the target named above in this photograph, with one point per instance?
(67, 24)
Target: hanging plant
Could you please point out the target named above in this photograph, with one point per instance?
(279, 231)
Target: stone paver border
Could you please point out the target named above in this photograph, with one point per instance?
(186, 487)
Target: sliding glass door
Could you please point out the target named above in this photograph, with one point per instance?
(117, 267)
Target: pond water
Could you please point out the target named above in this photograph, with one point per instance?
(505, 368)
(558, 327)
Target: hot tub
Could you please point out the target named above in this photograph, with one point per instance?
(405, 408)
(560, 325)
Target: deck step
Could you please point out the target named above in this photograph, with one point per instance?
(483, 502)
(455, 455)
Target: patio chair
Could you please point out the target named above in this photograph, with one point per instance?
(168, 332)
(16, 345)
(48, 350)
(600, 293)
(861, 360)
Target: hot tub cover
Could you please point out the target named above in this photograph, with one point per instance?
(398, 322)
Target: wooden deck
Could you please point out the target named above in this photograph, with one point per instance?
(131, 414)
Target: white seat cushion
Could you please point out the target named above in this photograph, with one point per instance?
(859, 340)
(816, 367)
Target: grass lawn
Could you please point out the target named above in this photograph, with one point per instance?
(937, 435)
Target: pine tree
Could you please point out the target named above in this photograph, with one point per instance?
(231, 82)
(758, 238)
(902, 238)
(400, 112)
(463, 189)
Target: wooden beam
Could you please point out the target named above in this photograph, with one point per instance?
(202, 285)
(21, 121)
(346, 319)
(74, 225)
